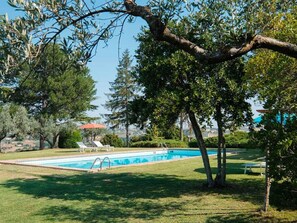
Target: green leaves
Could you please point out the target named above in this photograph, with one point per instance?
(272, 75)
(53, 84)
(123, 91)
(14, 121)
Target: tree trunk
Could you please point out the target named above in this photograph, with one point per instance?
(224, 169)
(55, 141)
(181, 130)
(50, 143)
(198, 134)
(221, 163)
(267, 182)
(127, 135)
(41, 142)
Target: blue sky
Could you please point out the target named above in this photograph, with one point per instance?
(103, 65)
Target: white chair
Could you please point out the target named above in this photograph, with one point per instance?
(254, 165)
(83, 147)
(98, 144)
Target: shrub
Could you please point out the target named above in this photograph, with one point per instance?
(171, 133)
(113, 140)
(158, 143)
(233, 140)
(146, 144)
(284, 195)
(139, 138)
(68, 139)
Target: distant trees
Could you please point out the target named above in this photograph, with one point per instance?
(14, 122)
(123, 91)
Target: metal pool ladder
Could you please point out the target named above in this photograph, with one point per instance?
(164, 146)
(101, 162)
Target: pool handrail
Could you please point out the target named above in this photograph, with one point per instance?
(103, 162)
(98, 158)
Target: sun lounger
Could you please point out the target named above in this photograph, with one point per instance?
(83, 147)
(98, 144)
(254, 165)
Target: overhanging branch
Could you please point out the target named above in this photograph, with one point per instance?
(162, 33)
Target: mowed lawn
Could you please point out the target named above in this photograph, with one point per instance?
(163, 192)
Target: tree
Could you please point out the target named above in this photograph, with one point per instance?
(22, 122)
(49, 129)
(170, 86)
(123, 92)
(205, 95)
(6, 122)
(14, 121)
(273, 77)
(231, 108)
(56, 88)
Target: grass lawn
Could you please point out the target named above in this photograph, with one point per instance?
(163, 192)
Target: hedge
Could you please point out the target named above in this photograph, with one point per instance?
(233, 140)
(157, 143)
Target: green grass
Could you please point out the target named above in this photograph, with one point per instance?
(164, 192)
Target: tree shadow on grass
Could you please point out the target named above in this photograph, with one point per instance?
(245, 218)
(243, 189)
(106, 197)
(246, 155)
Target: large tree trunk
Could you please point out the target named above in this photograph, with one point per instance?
(181, 130)
(267, 182)
(41, 142)
(127, 135)
(221, 164)
(224, 168)
(54, 143)
(51, 145)
(200, 140)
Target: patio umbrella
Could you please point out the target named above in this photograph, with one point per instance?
(92, 126)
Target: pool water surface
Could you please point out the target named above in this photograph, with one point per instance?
(113, 160)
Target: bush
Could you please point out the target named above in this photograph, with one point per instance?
(158, 143)
(113, 140)
(146, 144)
(284, 195)
(233, 140)
(171, 133)
(139, 138)
(68, 139)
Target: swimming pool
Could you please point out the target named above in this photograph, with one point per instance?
(113, 160)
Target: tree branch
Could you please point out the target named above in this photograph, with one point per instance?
(162, 33)
(83, 17)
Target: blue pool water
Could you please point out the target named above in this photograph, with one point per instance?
(131, 158)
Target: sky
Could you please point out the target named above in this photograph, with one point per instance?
(104, 63)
